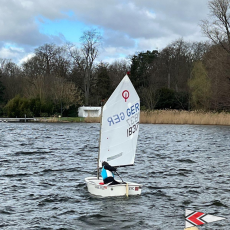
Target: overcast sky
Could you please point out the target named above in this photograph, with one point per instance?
(127, 26)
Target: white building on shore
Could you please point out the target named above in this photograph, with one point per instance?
(88, 111)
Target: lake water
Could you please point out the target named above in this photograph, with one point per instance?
(43, 167)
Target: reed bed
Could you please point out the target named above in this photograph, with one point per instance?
(177, 117)
(184, 117)
(92, 119)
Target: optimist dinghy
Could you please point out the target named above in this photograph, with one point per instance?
(118, 139)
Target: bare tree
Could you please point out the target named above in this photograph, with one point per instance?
(35, 87)
(65, 94)
(50, 61)
(117, 71)
(175, 64)
(218, 27)
(11, 78)
(149, 96)
(86, 56)
(46, 55)
(218, 66)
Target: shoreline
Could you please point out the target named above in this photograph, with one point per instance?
(149, 117)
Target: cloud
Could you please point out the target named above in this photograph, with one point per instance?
(10, 52)
(117, 39)
(145, 18)
(18, 24)
(127, 25)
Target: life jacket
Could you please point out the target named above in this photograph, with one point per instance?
(106, 173)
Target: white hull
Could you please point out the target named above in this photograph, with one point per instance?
(95, 188)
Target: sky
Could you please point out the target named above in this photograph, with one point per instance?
(126, 26)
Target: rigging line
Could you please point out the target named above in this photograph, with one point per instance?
(119, 176)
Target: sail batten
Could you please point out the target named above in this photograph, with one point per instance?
(120, 126)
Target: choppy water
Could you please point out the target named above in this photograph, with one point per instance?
(43, 167)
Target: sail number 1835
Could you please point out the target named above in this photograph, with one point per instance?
(132, 129)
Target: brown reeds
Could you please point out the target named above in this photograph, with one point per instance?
(178, 117)
(184, 117)
(92, 119)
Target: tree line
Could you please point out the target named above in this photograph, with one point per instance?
(183, 75)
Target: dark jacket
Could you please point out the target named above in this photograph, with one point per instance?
(110, 168)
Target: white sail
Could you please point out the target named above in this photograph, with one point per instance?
(120, 126)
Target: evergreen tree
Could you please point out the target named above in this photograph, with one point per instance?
(103, 84)
(141, 68)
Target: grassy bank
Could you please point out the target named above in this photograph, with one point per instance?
(184, 117)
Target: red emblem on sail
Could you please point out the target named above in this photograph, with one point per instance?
(125, 94)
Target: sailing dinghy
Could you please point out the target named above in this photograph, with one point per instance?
(118, 139)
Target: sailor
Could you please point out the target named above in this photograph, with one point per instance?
(107, 173)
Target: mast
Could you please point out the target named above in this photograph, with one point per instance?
(99, 142)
